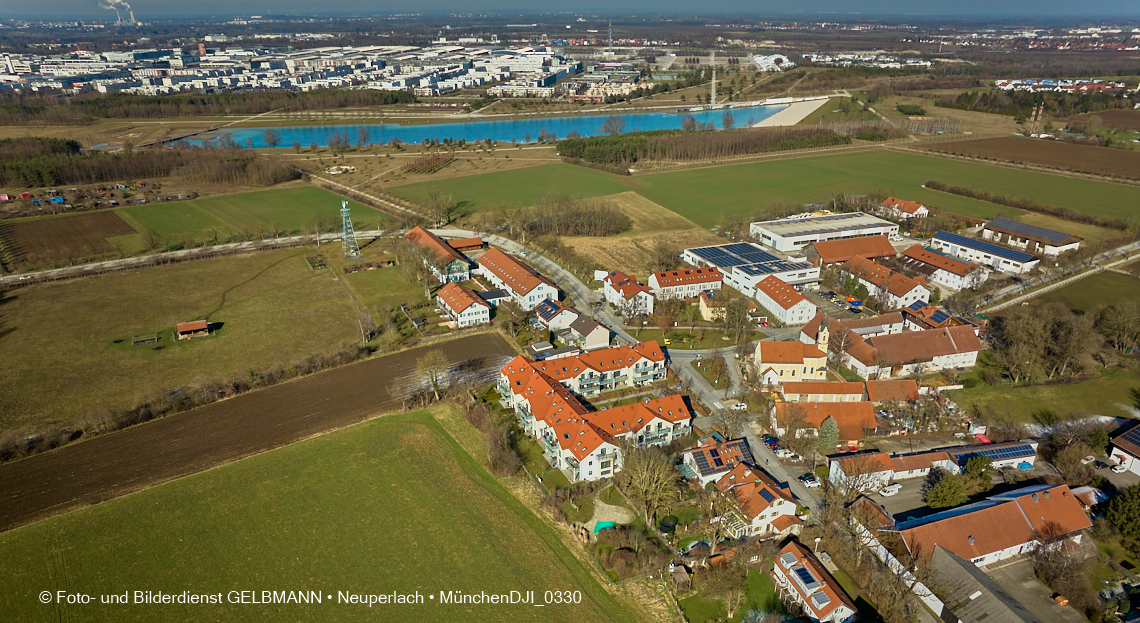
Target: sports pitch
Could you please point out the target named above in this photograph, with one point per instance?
(703, 195)
(391, 505)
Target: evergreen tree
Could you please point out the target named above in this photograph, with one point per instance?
(828, 436)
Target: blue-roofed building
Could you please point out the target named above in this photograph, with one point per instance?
(1002, 455)
(985, 253)
(745, 264)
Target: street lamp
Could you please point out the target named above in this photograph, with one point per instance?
(816, 550)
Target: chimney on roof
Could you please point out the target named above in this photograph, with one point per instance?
(971, 538)
(1034, 497)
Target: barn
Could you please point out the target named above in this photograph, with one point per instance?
(191, 330)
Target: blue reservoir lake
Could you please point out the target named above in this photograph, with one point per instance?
(522, 130)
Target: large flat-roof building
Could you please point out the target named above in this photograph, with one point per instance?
(793, 234)
(744, 264)
(985, 253)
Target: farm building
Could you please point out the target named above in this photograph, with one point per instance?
(466, 244)
(191, 330)
(894, 289)
(463, 306)
(792, 234)
(784, 302)
(855, 419)
(943, 269)
(864, 326)
(839, 251)
(912, 352)
(821, 391)
(901, 390)
(684, 283)
(902, 209)
(1031, 238)
(802, 579)
(526, 286)
(985, 253)
(744, 264)
(447, 264)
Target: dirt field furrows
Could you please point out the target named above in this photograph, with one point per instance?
(76, 236)
(1053, 154)
(1117, 118)
(109, 466)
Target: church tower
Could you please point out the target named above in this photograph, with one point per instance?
(824, 335)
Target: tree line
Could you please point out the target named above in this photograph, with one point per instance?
(694, 145)
(18, 109)
(1020, 104)
(1031, 205)
(39, 162)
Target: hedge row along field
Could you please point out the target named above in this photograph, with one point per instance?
(680, 145)
(1053, 154)
(1032, 205)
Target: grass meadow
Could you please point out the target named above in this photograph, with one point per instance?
(1104, 394)
(58, 339)
(703, 195)
(292, 209)
(1106, 288)
(395, 504)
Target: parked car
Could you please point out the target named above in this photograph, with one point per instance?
(765, 437)
(1100, 465)
(1088, 460)
(810, 481)
(1118, 469)
(784, 453)
(890, 490)
(773, 442)
(740, 406)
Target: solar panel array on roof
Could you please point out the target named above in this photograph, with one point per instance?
(777, 266)
(939, 316)
(752, 253)
(767, 495)
(806, 577)
(997, 454)
(702, 463)
(1132, 435)
(718, 257)
(983, 246)
(917, 305)
(1032, 231)
(735, 254)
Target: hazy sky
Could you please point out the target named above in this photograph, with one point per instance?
(1027, 9)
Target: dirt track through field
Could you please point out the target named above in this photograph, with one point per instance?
(112, 465)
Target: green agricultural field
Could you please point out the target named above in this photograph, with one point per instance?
(394, 505)
(703, 195)
(1104, 288)
(292, 210)
(57, 340)
(1105, 394)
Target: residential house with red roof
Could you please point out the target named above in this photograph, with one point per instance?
(463, 306)
(1002, 526)
(943, 269)
(777, 362)
(554, 315)
(912, 352)
(584, 443)
(763, 507)
(526, 286)
(685, 282)
(712, 457)
(903, 209)
(854, 419)
(784, 302)
(864, 326)
(632, 299)
(831, 252)
(894, 289)
(803, 580)
(446, 264)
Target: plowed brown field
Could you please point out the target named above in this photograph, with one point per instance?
(71, 236)
(106, 467)
(1052, 154)
(1116, 118)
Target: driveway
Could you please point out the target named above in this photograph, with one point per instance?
(1018, 580)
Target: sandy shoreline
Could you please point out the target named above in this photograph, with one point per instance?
(793, 114)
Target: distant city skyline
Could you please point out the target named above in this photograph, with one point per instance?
(1029, 10)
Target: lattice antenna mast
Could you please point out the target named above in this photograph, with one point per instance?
(349, 244)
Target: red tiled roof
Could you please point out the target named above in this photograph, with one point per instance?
(836, 595)
(923, 460)
(458, 298)
(518, 276)
(781, 293)
(920, 254)
(786, 352)
(811, 329)
(822, 387)
(684, 277)
(434, 244)
(195, 325)
(912, 346)
(869, 247)
(852, 417)
(878, 391)
(466, 243)
(747, 484)
(910, 207)
(884, 278)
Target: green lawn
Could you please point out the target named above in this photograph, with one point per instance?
(702, 368)
(703, 195)
(61, 361)
(1105, 394)
(291, 209)
(761, 595)
(1104, 288)
(391, 505)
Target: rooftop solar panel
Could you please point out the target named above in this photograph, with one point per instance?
(1132, 435)
(917, 305)
(983, 246)
(806, 577)
(702, 463)
(718, 463)
(767, 495)
(1032, 231)
(940, 316)
(713, 452)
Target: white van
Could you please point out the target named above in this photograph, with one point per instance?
(890, 490)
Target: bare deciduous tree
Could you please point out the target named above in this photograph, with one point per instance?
(433, 369)
(648, 479)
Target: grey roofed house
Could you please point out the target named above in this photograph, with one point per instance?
(970, 594)
(592, 334)
(1031, 232)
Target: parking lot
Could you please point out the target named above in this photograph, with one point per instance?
(1019, 580)
(832, 308)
